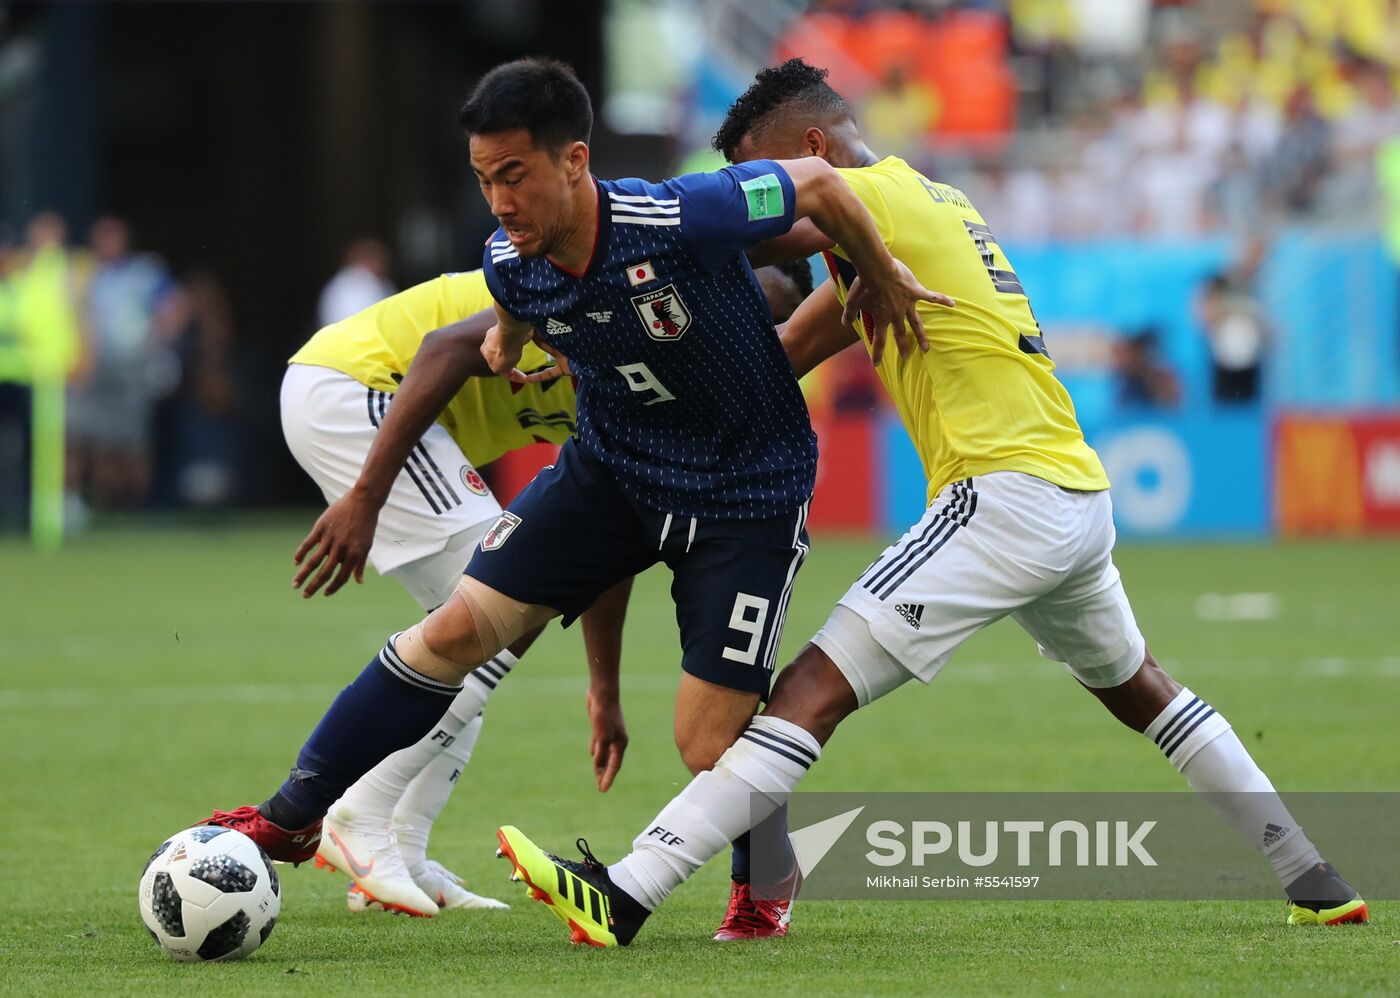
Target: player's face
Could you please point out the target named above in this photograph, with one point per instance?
(527, 188)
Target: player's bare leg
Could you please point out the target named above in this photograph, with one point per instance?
(813, 694)
(474, 624)
(1141, 700)
(1203, 747)
(709, 718)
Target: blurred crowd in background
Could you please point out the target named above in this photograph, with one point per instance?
(147, 359)
(149, 362)
(1091, 123)
(1075, 119)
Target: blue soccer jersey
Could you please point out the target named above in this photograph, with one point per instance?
(685, 392)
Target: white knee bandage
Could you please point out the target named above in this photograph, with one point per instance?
(414, 651)
(499, 619)
(474, 624)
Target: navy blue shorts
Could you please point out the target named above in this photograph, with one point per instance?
(572, 534)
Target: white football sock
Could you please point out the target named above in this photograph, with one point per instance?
(427, 795)
(1203, 747)
(375, 795)
(769, 758)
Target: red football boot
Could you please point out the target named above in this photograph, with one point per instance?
(281, 844)
(753, 918)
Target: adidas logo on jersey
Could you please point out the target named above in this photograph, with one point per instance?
(556, 327)
(912, 612)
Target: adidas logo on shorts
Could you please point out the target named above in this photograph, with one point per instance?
(912, 612)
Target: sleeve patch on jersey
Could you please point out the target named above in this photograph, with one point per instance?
(765, 197)
(500, 530)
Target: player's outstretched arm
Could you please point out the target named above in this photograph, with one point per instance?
(815, 331)
(804, 239)
(886, 290)
(602, 639)
(338, 544)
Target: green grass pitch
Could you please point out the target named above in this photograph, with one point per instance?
(149, 676)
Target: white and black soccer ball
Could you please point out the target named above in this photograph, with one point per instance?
(210, 893)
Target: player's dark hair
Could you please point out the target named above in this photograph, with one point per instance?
(801, 273)
(542, 96)
(795, 86)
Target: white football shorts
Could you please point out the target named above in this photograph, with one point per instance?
(439, 506)
(997, 545)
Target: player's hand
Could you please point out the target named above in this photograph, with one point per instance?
(337, 546)
(892, 304)
(609, 739)
(502, 351)
(558, 370)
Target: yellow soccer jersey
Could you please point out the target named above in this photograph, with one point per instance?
(984, 398)
(489, 416)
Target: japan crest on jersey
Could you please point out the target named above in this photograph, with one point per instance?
(663, 313)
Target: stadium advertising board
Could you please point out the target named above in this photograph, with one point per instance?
(1193, 474)
(1336, 474)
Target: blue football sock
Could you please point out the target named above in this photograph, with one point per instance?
(773, 827)
(389, 706)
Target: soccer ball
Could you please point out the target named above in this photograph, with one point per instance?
(209, 893)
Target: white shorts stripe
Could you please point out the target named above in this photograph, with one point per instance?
(770, 651)
(329, 421)
(417, 468)
(888, 571)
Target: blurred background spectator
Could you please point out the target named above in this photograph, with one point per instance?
(1237, 340)
(14, 394)
(40, 286)
(197, 418)
(899, 112)
(1144, 382)
(128, 326)
(358, 284)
